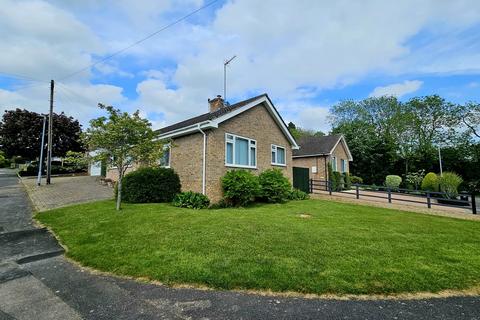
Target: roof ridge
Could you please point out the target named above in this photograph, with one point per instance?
(208, 115)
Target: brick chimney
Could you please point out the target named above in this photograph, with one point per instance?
(216, 103)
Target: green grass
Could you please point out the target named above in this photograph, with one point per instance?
(342, 248)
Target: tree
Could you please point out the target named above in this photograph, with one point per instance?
(470, 117)
(298, 132)
(21, 130)
(121, 140)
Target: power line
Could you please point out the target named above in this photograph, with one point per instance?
(21, 77)
(139, 41)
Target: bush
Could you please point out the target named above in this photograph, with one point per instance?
(337, 182)
(414, 179)
(192, 200)
(393, 181)
(356, 180)
(430, 182)
(240, 187)
(274, 186)
(296, 194)
(3, 161)
(150, 185)
(449, 183)
(348, 181)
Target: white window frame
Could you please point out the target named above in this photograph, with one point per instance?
(167, 147)
(250, 147)
(274, 148)
(343, 164)
(334, 163)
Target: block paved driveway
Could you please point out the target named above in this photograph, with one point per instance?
(51, 287)
(65, 191)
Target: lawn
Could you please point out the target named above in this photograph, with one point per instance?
(341, 248)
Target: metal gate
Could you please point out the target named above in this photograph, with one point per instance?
(301, 179)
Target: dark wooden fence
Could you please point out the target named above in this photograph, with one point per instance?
(428, 198)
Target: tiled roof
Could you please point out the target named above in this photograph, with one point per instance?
(316, 145)
(208, 115)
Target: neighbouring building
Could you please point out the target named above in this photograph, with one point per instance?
(316, 152)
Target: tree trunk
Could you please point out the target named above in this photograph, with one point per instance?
(119, 189)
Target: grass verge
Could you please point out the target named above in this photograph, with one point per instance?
(319, 247)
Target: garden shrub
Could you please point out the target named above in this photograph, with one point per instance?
(240, 187)
(430, 182)
(192, 200)
(274, 186)
(348, 181)
(337, 181)
(449, 183)
(152, 184)
(3, 160)
(356, 180)
(393, 181)
(414, 179)
(296, 194)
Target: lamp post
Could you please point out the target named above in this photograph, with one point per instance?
(42, 146)
(440, 161)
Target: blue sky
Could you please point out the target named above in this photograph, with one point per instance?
(307, 55)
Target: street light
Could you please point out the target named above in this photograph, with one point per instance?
(42, 146)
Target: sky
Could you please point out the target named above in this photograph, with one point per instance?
(307, 55)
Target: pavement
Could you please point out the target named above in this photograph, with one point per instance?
(65, 191)
(34, 285)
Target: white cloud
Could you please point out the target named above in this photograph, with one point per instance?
(397, 89)
(331, 45)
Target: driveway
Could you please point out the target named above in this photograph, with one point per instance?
(52, 287)
(65, 191)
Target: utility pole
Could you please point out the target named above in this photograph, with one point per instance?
(225, 77)
(50, 133)
(42, 146)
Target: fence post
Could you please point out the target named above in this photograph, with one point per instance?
(357, 191)
(329, 187)
(389, 195)
(311, 186)
(429, 201)
(474, 205)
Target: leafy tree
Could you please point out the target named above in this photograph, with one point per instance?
(298, 132)
(470, 116)
(121, 140)
(21, 130)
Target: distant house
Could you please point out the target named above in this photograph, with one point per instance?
(248, 135)
(316, 152)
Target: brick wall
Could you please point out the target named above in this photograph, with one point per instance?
(257, 124)
(309, 162)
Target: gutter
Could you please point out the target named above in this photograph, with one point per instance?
(204, 162)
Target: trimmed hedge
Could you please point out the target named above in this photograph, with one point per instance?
(192, 200)
(393, 181)
(430, 182)
(274, 186)
(153, 184)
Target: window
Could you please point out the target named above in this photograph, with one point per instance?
(334, 163)
(240, 151)
(278, 155)
(165, 159)
(344, 165)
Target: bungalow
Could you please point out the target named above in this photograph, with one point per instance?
(316, 152)
(249, 135)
